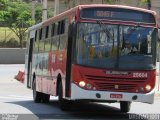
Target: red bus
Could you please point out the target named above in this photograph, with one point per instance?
(102, 53)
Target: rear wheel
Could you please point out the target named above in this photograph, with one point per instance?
(45, 98)
(37, 96)
(64, 104)
(125, 106)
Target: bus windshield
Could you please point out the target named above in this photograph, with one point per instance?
(115, 46)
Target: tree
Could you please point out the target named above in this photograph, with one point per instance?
(149, 4)
(146, 3)
(109, 1)
(16, 16)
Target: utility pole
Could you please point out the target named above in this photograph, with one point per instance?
(44, 12)
(33, 9)
(149, 4)
(56, 7)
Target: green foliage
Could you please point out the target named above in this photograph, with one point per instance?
(109, 1)
(11, 43)
(18, 11)
(3, 4)
(142, 2)
(38, 13)
(17, 16)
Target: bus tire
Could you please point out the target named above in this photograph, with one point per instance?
(125, 106)
(37, 96)
(45, 98)
(64, 104)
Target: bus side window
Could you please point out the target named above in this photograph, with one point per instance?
(47, 45)
(56, 29)
(41, 40)
(55, 44)
(41, 45)
(52, 29)
(46, 32)
(63, 41)
(62, 26)
(40, 34)
(35, 36)
(66, 26)
(59, 28)
(36, 41)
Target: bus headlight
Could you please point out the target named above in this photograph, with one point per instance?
(148, 87)
(82, 84)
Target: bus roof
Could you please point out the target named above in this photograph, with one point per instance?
(118, 6)
(79, 7)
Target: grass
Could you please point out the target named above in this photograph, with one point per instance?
(8, 38)
(7, 34)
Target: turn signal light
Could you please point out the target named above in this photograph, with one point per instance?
(89, 86)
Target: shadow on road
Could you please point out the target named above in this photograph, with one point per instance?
(77, 111)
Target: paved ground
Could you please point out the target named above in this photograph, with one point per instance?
(16, 101)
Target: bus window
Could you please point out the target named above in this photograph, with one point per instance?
(59, 28)
(52, 29)
(40, 34)
(62, 26)
(62, 45)
(35, 36)
(55, 44)
(41, 46)
(46, 32)
(47, 45)
(56, 29)
(66, 25)
(36, 42)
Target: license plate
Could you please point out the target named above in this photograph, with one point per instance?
(119, 96)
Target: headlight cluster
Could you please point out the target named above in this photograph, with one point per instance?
(83, 84)
(146, 88)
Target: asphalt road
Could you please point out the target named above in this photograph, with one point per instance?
(16, 103)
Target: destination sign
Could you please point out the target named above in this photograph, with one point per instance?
(117, 14)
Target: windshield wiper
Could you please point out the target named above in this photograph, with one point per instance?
(106, 30)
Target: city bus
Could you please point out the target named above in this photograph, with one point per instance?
(94, 53)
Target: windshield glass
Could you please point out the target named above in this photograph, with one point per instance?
(115, 46)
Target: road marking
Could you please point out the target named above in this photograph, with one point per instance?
(15, 97)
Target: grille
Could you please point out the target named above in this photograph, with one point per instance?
(104, 83)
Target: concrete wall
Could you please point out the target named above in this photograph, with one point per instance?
(12, 55)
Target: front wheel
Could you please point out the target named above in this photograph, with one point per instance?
(45, 98)
(125, 106)
(64, 104)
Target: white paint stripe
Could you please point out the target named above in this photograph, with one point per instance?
(15, 98)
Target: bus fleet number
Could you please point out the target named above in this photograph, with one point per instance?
(140, 75)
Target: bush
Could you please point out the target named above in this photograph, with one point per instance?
(11, 43)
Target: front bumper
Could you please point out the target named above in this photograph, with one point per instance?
(78, 93)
